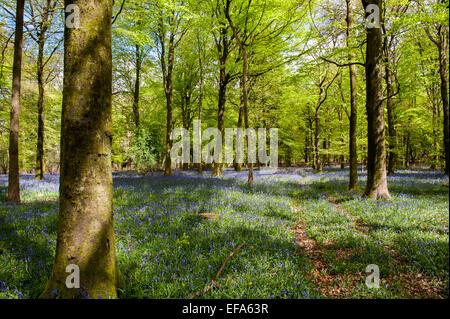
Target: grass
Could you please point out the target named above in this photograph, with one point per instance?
(166, 249)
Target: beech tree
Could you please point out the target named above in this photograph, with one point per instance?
(376, 186)
(13, 176)
(353, 156)
(169, 32)
(85, 219)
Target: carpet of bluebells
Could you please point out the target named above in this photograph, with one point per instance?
(166, 249)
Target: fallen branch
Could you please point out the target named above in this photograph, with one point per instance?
(214, 283)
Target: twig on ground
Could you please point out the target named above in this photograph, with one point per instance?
(214, 283)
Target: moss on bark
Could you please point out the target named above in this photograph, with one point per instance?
(85, 221)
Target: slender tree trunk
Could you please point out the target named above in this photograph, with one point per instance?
(306, 149)
(392, 158)
(223, 82)
(186, 119)
(317, 140)
(168, 89)
(85, 220)
(435, 157)
(244, 83)
(376, 156)
(312, 149)
(407, 160)
(238, 166)
(13, 175)
(353, 180)
(443, 72)
(200, 98)
(41, 115)
(137, 86)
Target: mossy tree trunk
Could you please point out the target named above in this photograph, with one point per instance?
(13, 174)
(85, 220)
(376, 155)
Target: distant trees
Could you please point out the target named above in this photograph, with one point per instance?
(45, 12)
(169, 32)
(169, 69)
(438, 33)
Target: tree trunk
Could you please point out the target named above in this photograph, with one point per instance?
(137, 86)
(223, 82)
(85, 220)
(353, 181)
(443, 72)
(306, 150)
(200, 97)
(13, 175)
(238, 166)
(244, 84)
(312, 149)
(317, 141)
(407, 160)
(39, 171)
(186, 119)
(392, 158)
(435, 157)
(376, 155)
(169, 98)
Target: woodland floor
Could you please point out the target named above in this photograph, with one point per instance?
(305, 236)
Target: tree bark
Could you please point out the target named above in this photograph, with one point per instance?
(392, 158)
(137, 86)
(407, 160)
(13, 175)
(200, 97)
(238, 166)
(39, 170)
(376, 186)
(443, 72)
(85, 220)
(244, 83)
(317, 137)
(167, 70)
(223, 49)
(353, 180)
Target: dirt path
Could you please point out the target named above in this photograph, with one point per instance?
(343, 285)
(328, 285)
